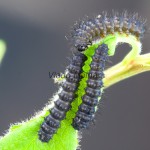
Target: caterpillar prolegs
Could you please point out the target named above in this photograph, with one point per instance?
(85, 35)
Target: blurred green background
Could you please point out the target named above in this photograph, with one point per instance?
(34, 31)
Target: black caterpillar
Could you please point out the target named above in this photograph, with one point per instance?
(99, 27)
(86, 110)
(63, 103)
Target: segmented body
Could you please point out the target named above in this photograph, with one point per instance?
(52, 122)
(99, 27)
(93, 91)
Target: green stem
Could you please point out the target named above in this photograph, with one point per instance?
(123, 71)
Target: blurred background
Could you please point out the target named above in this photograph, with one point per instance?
(34, 31)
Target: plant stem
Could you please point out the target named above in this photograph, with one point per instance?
(122, 70)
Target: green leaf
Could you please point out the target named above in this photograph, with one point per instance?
(24, 136)
(2, 50)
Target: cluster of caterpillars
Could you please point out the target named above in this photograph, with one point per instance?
(82, 37)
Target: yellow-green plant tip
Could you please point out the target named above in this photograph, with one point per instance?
(2, 50)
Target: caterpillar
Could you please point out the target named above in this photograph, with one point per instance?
(87, 32)
(93, 91)
(63, 103)
(87, 91)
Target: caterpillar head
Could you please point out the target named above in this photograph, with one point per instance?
(81, 45)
